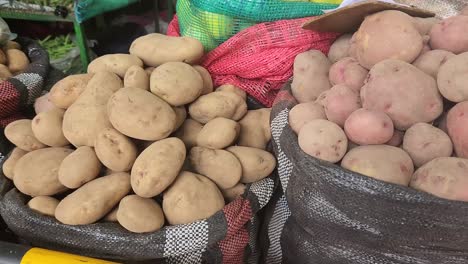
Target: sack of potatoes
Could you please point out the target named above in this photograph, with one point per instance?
(12, 60)
(374, 143)
(142, 158)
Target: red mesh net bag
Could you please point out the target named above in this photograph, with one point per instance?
(259, 59)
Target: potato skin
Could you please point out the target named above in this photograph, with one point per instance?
(397, 139)
(431, 61)
(155, 49)
(177, 83)
(43, 104)
(93, 200)
(156, 119)
(181, 115)
(192, 197)
(20, 133)
(323, 140)
(444, 177)
(157, 167)
(450, 34)
(347, 71)
(115, 63)
(79, 167)
(188, 132)
(36, 173)
(233, 89)
(47, 128)
(382, 162)
(423, 142)
(207, 81)
(9, 164)
(17, 60)
(65, 92)
(221, 166)
(368, 127)
(340, 48)
(403, 92)
(87, 116)
(44, 205)
(340, 102)
(211, 137)
(137, 77)
(451, 78)
(3, 58)
(231, 194)
(218, 104)
(255, 129)
(310, 77)
(112, 216)
(388, 26)
(457, 120)
(114, 150)
(256, 164)
(4, 72)
(12, 45)
(140, 215)
(424, 25)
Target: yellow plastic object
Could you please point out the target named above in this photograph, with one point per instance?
(44, 256)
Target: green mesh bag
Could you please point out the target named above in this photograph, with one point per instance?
(214, 21)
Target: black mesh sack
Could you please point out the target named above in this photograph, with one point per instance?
(329, 215)
(229, 236)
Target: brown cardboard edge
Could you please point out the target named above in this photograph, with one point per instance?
(349, 18)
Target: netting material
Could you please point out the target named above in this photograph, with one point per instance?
(259, 59)
(213, 21)
(338, 216)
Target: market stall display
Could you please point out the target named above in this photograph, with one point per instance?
(396, 193)
(108, 153)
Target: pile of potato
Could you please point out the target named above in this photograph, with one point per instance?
(12, 60)
(390, 102)
(117, 147)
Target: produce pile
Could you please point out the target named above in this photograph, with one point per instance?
(12, 60)
(110, 149)
(390, 102)
(57, 47)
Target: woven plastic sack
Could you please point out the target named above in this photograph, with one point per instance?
(259, 59)
(229, 236)
(442, 8)
(19, 92)
(329, 215)
(213, 21)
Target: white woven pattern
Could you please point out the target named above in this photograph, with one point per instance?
(183, 239)
(285, 166)
(263, 190)
(190, 258)
(275, 228)
(33, 83)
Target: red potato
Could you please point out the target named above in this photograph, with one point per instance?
(423, 142)
(442, 122)
(397, 139)
(453, 77)
(464, 11)
(424, 25)
(368, 127)
(450, 34)
(323, 140)
(386, 35)
(457, 126)
(382, 162)
(431, 61)
(303, 113)
(310, 77)
(445, 177)
(340, 48)
(403, 92)
(347, 71)
(340, 102)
